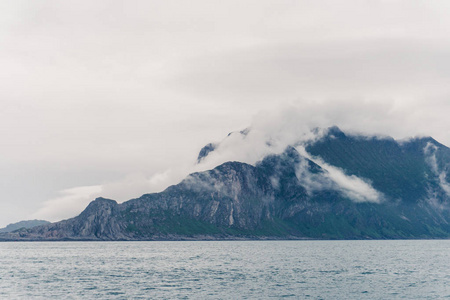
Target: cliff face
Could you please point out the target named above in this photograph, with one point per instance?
(349, 187)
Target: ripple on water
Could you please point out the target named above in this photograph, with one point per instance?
(226, 270)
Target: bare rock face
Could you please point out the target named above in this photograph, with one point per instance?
(96, 222)
(286, 196)
(205, 151)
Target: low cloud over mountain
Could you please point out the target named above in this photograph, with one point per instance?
(326, 184)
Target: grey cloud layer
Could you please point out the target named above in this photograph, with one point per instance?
(96, 92)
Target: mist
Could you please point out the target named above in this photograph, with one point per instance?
(122, 96)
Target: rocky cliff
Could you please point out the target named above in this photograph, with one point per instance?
(337, 187)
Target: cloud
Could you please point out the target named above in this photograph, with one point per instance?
(354, 187)
(95, 91)
(351, 186)
(312, 182)
(430, 156)
(270, 132)
(68, 203)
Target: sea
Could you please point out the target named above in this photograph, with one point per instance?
(374, 269)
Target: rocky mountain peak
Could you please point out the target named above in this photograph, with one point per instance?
(330, 189)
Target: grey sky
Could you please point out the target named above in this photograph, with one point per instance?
(96, 97)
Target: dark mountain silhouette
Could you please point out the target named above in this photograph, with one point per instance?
(286, 196)
(23, 224)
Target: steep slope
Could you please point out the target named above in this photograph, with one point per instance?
(400, 170)
(205, 151)
(282, 196)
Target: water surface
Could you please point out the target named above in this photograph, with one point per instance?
(226, 270)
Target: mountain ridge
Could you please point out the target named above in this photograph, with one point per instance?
(23, 224)
(285, 196)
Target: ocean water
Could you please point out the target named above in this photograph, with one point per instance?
(226, 270)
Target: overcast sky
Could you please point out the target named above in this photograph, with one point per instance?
(115, 98)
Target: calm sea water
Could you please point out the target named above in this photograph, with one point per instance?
(226, 270)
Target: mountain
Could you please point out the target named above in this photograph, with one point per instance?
(334, 186)
(205, 151)
(23, 224)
